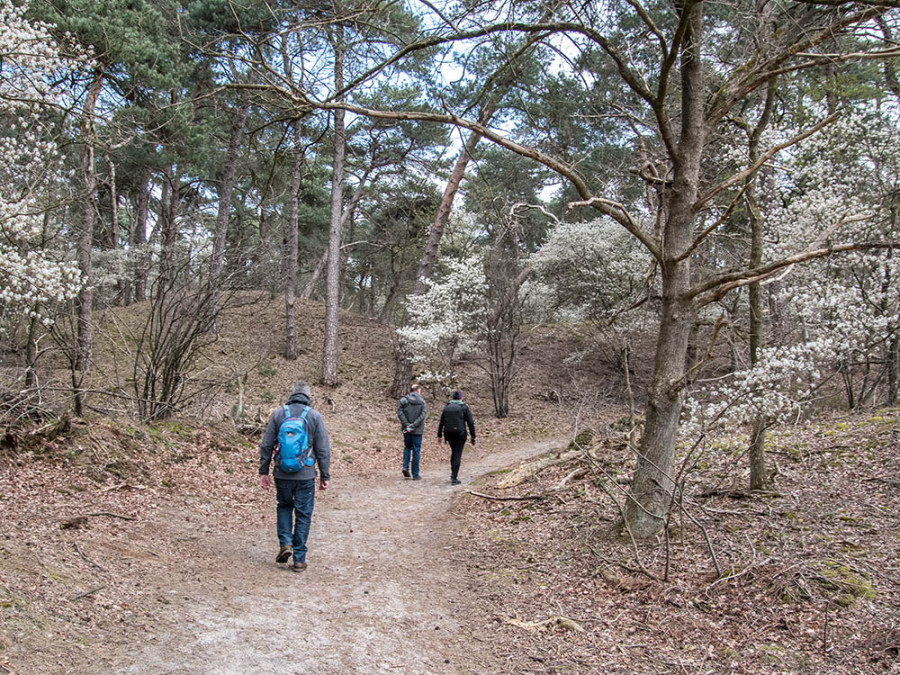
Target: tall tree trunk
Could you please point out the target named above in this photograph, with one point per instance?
(652, 487)
(403, 356)
(333, 267)
(758, 478)
(140, 267)
(168, 209)
(651, 490)
(893, 346)
(112, 241)
(225, 191)
(892, 355)
(86, 229)
(310, 284)
(112, 234)
(293, 252)
(263, 224)
(31, 354)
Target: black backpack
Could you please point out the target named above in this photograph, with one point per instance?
(455, 423)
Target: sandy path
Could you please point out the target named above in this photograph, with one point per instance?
(380, 595)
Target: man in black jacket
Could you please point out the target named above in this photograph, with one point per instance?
(296, 492)
(454, 420)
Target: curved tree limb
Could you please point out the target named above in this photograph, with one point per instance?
(714, 289)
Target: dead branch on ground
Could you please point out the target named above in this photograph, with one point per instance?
(87, 593)
(506, 499)
(528, 470)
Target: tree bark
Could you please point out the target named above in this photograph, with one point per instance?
(651, 491)
(293, 252)
(227, 187)
(85, 344)
(112, 240)
(140, 268)
(757, 452)
(112, 235)
(892, 356)
(310, 284)
(333, 266)
(652, 487)
(168, 209)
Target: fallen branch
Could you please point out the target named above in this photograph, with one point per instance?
(737, 493)
(577, 473)
(527, 470)
(87, 593)
(561, 621)
(505, 499)
(73, 523)
(892, 483)
(125, 486)
(54, 428)
(78, 522)
(81, 553)
(111, 515)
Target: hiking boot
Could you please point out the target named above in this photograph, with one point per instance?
(417, 477)
(455, 482)
(406, 473)
(299, 567)
(285, 552)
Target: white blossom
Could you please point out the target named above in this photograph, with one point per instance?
(446, 319)
(32, 274)
(838, 187)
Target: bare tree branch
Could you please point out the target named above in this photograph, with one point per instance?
(769, 154)
(717, 287)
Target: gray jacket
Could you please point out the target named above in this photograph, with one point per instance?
(318, 439)
(412, 411)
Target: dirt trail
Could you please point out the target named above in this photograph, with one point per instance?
(380, 594)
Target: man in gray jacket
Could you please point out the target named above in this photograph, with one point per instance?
(412, 411)
(296, 491)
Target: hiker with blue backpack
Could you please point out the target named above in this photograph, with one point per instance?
(295, 441)
(455, 417)
(412, 410)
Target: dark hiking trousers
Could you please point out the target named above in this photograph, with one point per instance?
(456, 441)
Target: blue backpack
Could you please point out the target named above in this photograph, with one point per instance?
(293, 442)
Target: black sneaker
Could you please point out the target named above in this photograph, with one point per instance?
(455, 482)
(406, 473)
(284, 553)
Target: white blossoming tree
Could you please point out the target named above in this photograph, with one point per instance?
(595, 270)
(33, 270)
(474, 308)
(838, 315)
(447, 319)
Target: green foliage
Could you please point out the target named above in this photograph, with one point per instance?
(222, 17)
(136, 41)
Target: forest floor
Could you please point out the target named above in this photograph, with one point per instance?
(166, 565)
(149, 548)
